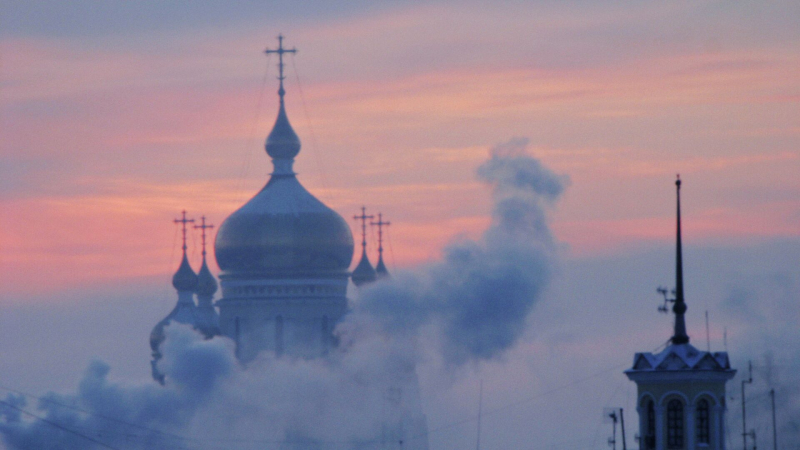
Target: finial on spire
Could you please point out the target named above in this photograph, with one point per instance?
(183, 221)
(363, 218)
(380, 268)
(280, 51)
(203, 227)
(679, 308)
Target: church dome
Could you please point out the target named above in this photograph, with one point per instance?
(206, 283)
(363, 273)
(282, 142)
(283, 229)
(184, 279)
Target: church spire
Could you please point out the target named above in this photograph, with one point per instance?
(679, 308)
(363, 273)
(282, 144)
(380, 268)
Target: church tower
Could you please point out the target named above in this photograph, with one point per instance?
(681, 390)
(284, 259)
(185, 281)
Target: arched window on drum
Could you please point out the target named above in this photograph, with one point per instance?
(703, 421)
(675, 424)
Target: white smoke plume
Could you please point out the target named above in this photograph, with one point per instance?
(471, 306)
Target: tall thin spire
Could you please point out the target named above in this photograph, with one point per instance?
(679, 308)
(380, 268)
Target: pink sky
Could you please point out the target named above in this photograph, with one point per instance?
(108, 134)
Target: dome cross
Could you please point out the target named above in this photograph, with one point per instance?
(380, 224)
(280, 51)
(203, 227)
(183, 221)
(363, 218)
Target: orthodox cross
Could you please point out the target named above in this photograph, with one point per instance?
(203, 227)
(363, 218)
(280, 51)
(380, 223)
(184, 221)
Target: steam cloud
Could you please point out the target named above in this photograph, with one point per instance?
(472, 306)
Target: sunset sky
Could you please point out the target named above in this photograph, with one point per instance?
(115, 116)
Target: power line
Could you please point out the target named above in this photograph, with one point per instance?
(92, 413)
(60, 427)
(251, 137)
(314, 146)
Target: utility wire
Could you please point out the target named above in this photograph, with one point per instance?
(92, 413)
(314, 145)
(60, 427)
(251, 137)
(527, 399)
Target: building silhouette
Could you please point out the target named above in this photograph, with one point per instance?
(284, 258)
(681, 390)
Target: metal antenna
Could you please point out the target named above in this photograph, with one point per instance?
(744, 413)
(725, 338)
(708, 334)
(774, 429)
(183, 221)
(480, 409)
(622, 424)
(664, 292)
(203, 227)
(610, 415)
(363, 218)
(280, 51)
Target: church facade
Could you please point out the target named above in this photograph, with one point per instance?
(681, 390)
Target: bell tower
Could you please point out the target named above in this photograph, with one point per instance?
(681, 390)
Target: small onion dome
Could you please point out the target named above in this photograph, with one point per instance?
(185, 279)
(282, 142)
(206, 283)
(380, 269)
(363, 273)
